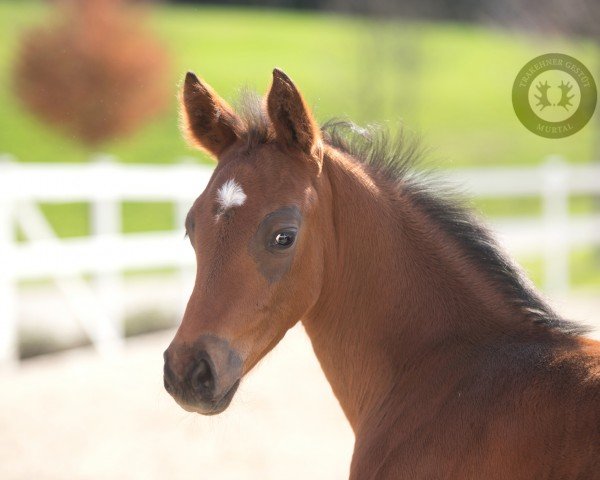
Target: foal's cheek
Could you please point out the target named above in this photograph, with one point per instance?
(299, 289)
(273, 267)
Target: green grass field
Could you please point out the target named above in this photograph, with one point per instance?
(450, 83)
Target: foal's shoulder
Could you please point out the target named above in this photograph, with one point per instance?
(581, 360)
(565, 369)
(555, 361)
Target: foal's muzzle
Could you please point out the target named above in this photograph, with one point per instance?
(202, 377)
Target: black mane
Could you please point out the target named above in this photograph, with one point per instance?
(396, 159)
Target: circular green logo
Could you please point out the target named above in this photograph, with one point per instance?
(554, 95)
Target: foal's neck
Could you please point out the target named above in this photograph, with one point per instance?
(397, 304)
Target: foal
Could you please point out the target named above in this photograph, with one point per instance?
(445, 360)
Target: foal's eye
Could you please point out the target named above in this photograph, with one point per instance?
(284, 239)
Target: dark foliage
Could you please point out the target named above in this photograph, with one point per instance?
(95, 73)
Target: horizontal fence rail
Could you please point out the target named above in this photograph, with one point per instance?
(107, 252)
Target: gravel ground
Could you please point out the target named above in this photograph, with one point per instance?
(78, 416)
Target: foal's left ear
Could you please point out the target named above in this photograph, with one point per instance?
(291, 118)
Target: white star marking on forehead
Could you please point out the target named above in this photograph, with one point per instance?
(230, 195)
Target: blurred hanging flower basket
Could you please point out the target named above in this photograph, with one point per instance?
(97, 74)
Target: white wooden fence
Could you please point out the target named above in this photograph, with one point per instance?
(107, 252)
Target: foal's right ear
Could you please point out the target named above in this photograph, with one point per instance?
(208, 121)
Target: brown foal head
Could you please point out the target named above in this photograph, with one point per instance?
(254, 233)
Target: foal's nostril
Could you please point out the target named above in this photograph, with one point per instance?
(202, 378)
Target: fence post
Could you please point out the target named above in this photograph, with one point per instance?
(106, 220)
(186, 274)
(9, 351)
(556, 225)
